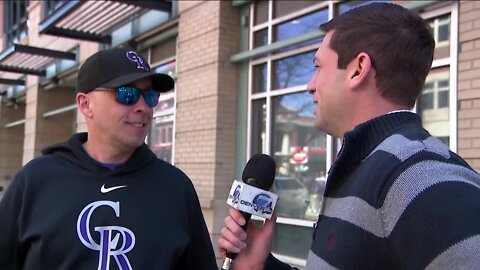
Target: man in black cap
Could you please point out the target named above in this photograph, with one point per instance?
(102, 200)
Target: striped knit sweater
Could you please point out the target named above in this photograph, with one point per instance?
(397, 198)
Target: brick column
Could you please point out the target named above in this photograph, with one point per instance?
(206, 103)
(41, 131)
(469, 82)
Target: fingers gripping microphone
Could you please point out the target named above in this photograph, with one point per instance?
(251, 196)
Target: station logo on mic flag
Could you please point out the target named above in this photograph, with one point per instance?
(252, 200)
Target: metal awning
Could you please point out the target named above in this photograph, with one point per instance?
(94, 20)
(12, 82)
(30, 60)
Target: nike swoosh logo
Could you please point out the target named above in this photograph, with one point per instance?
(104, 189)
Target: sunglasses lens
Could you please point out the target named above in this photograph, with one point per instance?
(128, 95)
(151, 97)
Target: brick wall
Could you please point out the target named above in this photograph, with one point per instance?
(40, 131)
(469, 82)
(206, 102)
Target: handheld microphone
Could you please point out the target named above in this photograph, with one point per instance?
(252, 196)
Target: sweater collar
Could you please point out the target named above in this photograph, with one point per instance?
(360, 142)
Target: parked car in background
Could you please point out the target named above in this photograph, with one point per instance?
(293, 197)
(317, 189)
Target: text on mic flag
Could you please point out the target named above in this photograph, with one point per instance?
(252, 200)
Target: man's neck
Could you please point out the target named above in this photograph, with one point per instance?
(106, 153)
(365, 115)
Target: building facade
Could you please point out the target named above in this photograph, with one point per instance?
(241, 69)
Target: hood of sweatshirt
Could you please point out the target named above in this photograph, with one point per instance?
(74, 151)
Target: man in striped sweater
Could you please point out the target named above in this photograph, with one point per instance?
(396, 197)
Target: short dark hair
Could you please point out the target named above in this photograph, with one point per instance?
(398, 41)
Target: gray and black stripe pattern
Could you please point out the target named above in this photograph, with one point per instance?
(397, 198)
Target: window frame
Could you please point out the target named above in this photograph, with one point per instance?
(451, 62)
(171, 113)
(270, 94)
(16, 30)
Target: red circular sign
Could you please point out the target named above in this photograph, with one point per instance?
(300, 156)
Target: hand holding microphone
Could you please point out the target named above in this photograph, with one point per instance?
(250, 197)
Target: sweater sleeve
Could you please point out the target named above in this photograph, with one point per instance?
(11, 254)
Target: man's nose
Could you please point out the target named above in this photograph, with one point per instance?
(141, 104)
(311, 85)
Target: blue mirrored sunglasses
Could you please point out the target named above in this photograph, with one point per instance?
(129, 95)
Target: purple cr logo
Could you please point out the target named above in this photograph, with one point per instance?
(114, 241)
(134, 57)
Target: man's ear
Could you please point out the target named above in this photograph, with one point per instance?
(83, 103)
(359, 70)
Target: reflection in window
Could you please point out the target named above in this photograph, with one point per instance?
(16, 14)
(441, 34)
(300, 153)
(282, 8)
(426, 99)
(292, 240)
(260, 12)
(168, 68)
(51, 6)
(259, 78)
(260, 38)
(443, 93)
(301, 25)
(281, 120)
(163, 51)
(441, 30)
(444, 31)
(292, 71)
(433, 104)
(160, 139)
(161, 135)
(435, 94)
(347, 5)
(258, 127)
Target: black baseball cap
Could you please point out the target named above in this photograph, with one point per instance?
(117, 67)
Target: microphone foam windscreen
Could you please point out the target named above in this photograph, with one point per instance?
(262, 169)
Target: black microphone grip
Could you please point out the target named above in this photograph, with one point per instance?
(260, 173)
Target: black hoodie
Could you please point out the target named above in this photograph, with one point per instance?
(64, 210)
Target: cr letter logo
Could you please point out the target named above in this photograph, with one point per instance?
(108, 245)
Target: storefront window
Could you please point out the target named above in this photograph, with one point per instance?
(260, 38)
(161, 137)
(441, 33)
(16, 15)
(258, 127)
(299, 150)
(282, 120)
(301, 25)
(433, 104)
(261, 12)
(259, 78)
(292, 71)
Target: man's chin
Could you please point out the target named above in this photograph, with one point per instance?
(134, 143)
(319, 125)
